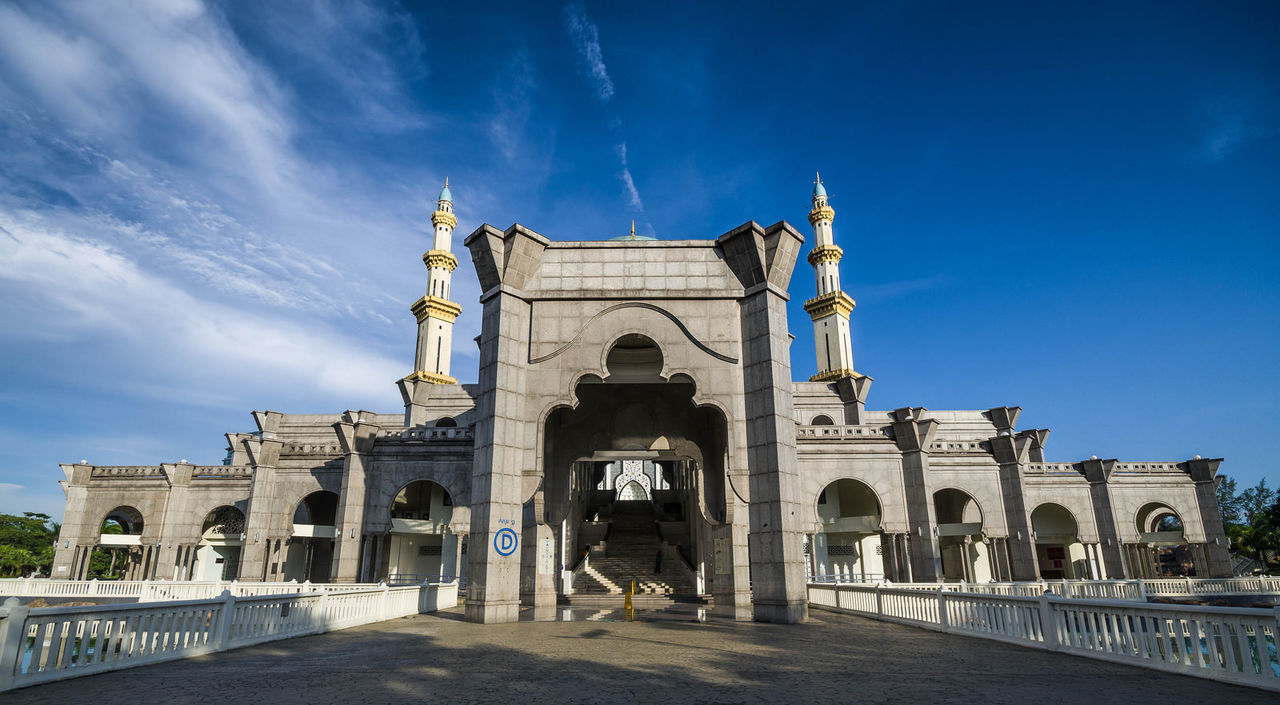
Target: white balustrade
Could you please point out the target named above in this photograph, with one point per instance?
(1236, 645)
(48, 644)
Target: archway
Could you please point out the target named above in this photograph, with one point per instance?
(633, 481)
(311, 546)
(218, 553)
(421, 548)
(848, 547)
(965, 555)
(1163, 551)
(1058, 549)
(120, 553)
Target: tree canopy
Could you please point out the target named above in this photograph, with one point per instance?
(1251, 519)
(26, 543)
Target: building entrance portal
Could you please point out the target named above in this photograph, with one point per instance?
(635, 488)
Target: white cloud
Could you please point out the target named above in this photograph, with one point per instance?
(9, 487)
(90, 290)
(512, 94)
(633, 194)
(586, 38)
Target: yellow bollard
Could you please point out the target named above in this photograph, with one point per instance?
(627, 601)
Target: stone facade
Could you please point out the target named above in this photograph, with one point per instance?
(671, 352)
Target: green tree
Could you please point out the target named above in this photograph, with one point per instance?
(1256, 500)
(1230, 505)
(102, 562)
(26, 543)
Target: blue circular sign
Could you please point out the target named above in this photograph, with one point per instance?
(505, 542)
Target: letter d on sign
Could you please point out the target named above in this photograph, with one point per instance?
(505, 541)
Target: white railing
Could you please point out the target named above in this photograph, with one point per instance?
(156, 590)
(48, 644)
(1236, 645)
(1138, 590)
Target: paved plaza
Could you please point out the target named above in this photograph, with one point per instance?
(663, 658)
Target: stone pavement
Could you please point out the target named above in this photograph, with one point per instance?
(667, 659)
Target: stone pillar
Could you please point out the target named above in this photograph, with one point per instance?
(263, 515)
(77, 528)
(763, 262)
(1097, 472)
(913, 435)
(537, 571)
(503, 437)
(356, 435)
(853, 396)
(1204, 472)
(1012, 452)
(176, 525)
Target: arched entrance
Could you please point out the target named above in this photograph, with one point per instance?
(634, 484)
(1058, 549)
(310, 552)
(965, 555)
(848, 547)
(1163, 551)
(421, 548)
(218, 554)
(120, 553)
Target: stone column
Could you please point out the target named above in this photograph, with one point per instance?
(77, 528)
(503, 451)
(357, 436)
(1012, 452)
(1097, 472)
(176, 525)
(264, 510)
(1204, 472)
(913, 435)
(763, 262)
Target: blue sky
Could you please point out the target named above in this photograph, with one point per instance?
(211, 208)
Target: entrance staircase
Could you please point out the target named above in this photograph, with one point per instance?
(629, 554)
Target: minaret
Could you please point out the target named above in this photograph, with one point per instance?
(830, 309)
(435, 312)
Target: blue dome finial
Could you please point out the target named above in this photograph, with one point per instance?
(818, 188)
(445, 195)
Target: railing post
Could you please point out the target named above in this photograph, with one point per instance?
(1142, 590)
(879, 603)
(321, 620)
(93, 587)
(222, 637)
(1048, 624)
(382, 603)
(1190, 587)
(12, 640)
(942, 611)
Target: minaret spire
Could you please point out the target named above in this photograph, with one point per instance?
(830, 309)
(434, 311)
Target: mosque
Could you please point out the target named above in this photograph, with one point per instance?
(635, 419)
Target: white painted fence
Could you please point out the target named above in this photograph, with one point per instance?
(1138, 590)
(1236, 645)
(155, 590)
(48, 644)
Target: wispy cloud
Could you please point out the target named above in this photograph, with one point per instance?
(586, 37)
(633, 195)
(512, 94)
(161, 200)
(586, 40)
(92, 290)
(1232, 123)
